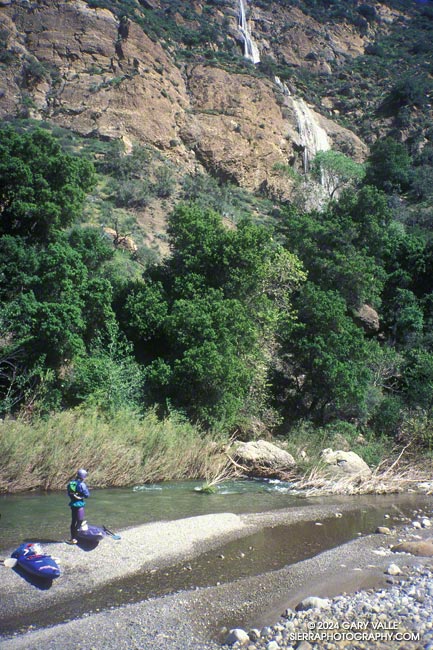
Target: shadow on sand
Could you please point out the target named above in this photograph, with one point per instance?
(36, 581)
(88, 545)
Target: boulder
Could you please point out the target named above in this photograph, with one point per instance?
(383, 530)
(368, 319)
(345, 462)
(340, 441)
(421, 548)
(262, 457)
(237, 635)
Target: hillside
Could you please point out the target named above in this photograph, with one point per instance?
(219, 209)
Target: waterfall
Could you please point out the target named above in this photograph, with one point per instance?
(313, 137)
(251, 51)
(282, 86)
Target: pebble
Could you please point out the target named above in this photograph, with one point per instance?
(393, 570)
(383, 530)
(404, 608)
(272, 645)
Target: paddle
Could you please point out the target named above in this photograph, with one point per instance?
(110, 533)
(9, 562)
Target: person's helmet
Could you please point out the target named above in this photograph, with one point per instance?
(82, 474)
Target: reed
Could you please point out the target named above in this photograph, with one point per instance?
(223, 470)
(123, 450)
(390, 477)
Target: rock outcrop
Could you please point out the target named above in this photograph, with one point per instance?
(368, 319)
(83, 69)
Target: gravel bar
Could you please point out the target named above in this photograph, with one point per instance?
(200, 619)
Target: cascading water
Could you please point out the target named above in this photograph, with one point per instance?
(251, 51)
(282, 86)
(313, 137)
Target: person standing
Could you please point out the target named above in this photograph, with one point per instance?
(77, 492)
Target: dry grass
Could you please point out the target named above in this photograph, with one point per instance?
(130, 449)
(124, 450)
(223, 470)
(390, 477)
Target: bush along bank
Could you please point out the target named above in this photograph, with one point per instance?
(125, 448)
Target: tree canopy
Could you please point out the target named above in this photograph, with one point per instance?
(203, 320)
(41, 187)
(239, 322)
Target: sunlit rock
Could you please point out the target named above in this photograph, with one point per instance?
(345, 462)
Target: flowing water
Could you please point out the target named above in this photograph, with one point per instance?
(45, 517)
(251, 51)
(313, 137)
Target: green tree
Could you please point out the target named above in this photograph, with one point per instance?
(333, 246)
(418, 379)
(42, 189)
(388, 166)
(204, 321)
(107, 375)
(324, 374)
(336, 171)
(60, 307)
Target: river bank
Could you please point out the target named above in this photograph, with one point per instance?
(126, 448)
(398, 616)
(191, 619)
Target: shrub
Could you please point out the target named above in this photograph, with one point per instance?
(131, 193)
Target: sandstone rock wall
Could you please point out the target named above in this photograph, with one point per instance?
(84, 70)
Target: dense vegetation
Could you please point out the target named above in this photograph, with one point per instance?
(239, 324)
(254, 320)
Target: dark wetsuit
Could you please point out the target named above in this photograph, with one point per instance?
(77, 491)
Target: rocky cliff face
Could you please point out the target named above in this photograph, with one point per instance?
(87, 70)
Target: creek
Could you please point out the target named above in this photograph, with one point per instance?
(45, 518)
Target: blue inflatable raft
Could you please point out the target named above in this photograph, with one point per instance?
(32, 560)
